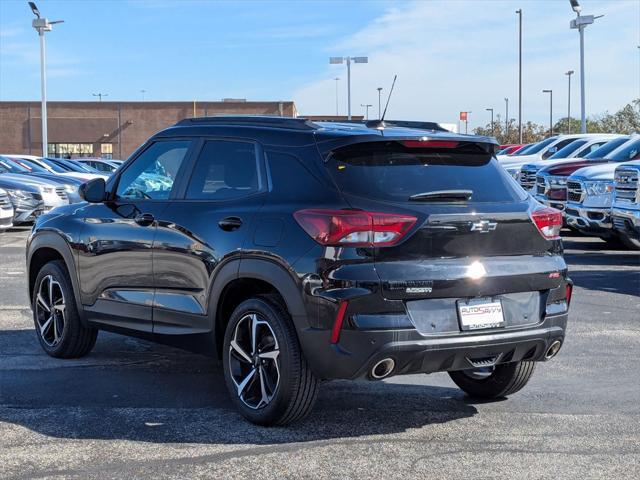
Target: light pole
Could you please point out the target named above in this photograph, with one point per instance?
(492, 130)
(550, 92)
(100, 95)
(519, 12)
(506, 118)
(42, 25)
(348, 60)
(568, 74)
(580, 23)
(366, 107)
(379, 95)
(143, 92)
(337, 79)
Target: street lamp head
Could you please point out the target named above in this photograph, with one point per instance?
(34, 9)
(547, 91)
(360, 59)
(379, 89)
(570, 72)
(575, 6)
(336, 60)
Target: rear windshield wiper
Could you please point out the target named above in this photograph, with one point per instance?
(442, 195)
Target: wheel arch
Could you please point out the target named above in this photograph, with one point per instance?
(47, 247)
(250, 277)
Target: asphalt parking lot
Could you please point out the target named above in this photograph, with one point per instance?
(133, 409)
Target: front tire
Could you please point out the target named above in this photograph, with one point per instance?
(265, 371)
(58, 326)
(630, 242)
(501, 381)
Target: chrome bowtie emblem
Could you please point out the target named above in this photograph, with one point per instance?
(483, 226)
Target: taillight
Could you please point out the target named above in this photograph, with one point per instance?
(354, 228)
(549, 222)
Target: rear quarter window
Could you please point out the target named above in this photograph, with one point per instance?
(391, 172)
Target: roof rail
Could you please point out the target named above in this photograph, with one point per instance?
(289, 123)
(396, 123)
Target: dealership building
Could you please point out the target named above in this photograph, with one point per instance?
(109, 129)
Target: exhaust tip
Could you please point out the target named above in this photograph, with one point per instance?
(553, 350)
(382, 369)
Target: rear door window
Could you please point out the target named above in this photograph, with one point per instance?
(226, 170)
(392, 172)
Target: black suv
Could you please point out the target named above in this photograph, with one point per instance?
(298, 252)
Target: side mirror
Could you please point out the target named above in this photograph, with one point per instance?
(93, 191)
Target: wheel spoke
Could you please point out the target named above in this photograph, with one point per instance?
(265, 397)
(240, 351)
(50, 290)
(272, 355)
(46, 325)
(245, 382)
(254, 333)
(42, 302)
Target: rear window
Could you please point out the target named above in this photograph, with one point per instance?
(392, 172)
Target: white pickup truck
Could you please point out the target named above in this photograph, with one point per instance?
(625, 213)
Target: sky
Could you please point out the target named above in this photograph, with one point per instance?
(449, 55)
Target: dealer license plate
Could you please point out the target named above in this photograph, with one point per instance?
(480, 313)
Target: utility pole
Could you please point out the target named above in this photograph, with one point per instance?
(568, 74)
(519, 12)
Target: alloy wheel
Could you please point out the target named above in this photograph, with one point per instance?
(50, 311)
(254, 361)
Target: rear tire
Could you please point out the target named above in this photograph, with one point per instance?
(268, 378)
(58, 326)
(505, 380)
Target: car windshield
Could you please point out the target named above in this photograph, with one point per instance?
(536, 147)
(54, 166)
(9, 166)
(607, 148)
(569, 149)
(71, 165)
(627, 152)
(30, 165)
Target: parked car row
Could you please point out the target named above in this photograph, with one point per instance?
(586, 176)
(30, 186)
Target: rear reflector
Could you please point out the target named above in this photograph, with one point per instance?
(549, 222)
(569, 292)
(429, 143)
(354, 228)
(337, 324)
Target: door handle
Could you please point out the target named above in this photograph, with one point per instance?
(144, 219)
(230, 223)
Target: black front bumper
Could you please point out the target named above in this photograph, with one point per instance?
(358, 351)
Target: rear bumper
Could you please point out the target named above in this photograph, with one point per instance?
(358, 351)
(592, 220)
